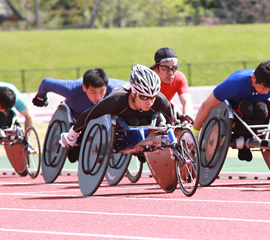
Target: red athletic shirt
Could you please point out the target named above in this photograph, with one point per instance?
(178, 85)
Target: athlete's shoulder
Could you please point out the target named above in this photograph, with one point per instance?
(242, 73)
(11, 87)
(113, 82)
(179, 77)
(179, 74)
(8, 85)
(161, 98)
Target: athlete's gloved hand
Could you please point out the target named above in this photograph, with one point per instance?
(40, 102)
(65, 142)
(68, 140)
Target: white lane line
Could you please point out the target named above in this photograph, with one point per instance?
(49, 194)
(237, 188)
(133, 198)
(86, 234)
(45, 184)
(136, 215)
(184, 200)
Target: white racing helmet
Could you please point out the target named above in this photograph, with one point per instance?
(144, 81)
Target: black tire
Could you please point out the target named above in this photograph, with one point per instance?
(117, 168)
(53, 153)
(32, 154)
(188, 173)
(134, 176)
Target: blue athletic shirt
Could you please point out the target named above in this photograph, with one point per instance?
(237, 87)
(20, 102)
(71, 90)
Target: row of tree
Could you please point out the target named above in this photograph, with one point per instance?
(136, 13)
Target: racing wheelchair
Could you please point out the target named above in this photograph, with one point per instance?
(54, 155)
(22, 148)
(223, 129)
(171, 152)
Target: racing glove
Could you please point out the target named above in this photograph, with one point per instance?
(40, 102)
(69, 139)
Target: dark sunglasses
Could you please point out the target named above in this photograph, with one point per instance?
(168, 68)
(145, 98)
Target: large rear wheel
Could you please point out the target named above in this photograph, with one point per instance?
(53, 154)
(214, 142)
(95, 154)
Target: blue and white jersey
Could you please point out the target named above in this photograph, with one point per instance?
(238, 87)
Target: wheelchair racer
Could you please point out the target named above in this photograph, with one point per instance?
(10, 97)
(247, 90)
(80, 94)
(172, 81)
(135, 103)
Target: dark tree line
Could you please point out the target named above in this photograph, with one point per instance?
(133, 13)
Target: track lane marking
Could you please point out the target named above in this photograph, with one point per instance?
(86, 234)
(137, 215)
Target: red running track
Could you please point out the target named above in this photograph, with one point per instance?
(229, 209)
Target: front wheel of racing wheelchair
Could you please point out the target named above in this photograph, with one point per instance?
(188, 172)
(32, 153)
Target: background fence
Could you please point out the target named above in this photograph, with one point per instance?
(198, 74)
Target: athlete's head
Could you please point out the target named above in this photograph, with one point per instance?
(262, 77)
(145, 85)
(7, 99)
(95, 82)
(166, 64)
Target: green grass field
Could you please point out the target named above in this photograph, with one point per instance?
(116, 50)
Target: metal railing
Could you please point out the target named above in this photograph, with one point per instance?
(198, 74)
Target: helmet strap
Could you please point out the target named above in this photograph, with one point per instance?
(133, 97)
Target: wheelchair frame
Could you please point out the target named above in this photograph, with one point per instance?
(103, 136)
(22, 149)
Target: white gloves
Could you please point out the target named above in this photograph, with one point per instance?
(69, 139)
